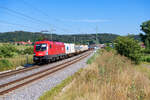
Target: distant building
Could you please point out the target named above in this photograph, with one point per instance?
(97, 46)
(101, 45)
(23, 43)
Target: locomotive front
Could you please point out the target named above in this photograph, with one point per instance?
(40, 52)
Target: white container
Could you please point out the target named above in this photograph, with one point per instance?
(84, 47)
(69, 48)
(77, 48)
(72, 46)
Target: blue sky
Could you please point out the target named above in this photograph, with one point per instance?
(74, 16)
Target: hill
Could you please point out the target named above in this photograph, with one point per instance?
(78, 38)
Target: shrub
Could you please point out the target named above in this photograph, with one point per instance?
(128, 47)
(28, 50)
(146, 51)
(5, 65)
(148, 59)
(8, 51)
(108, 48)
(145, 58)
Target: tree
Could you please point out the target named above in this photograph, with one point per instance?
(128, 47)
(145, 27)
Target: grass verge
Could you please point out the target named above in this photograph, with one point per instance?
(54, 91)
(89, 61)
(109, 77)
(12, 63)
(51, 94)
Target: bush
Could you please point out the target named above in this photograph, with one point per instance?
(28, 50)
(5, 65)
(145, 58)
(8, 51)
(146, 51)
(108, 48)
(128, 47)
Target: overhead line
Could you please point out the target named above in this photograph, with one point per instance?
(42, 12)
(5, 22)
(29, 17)
(35, 8)
(26, 16)
(21, 17)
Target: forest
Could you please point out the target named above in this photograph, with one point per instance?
(73, 38)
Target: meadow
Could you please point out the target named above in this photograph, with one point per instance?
(109, 77)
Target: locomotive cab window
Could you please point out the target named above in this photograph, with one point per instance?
(50, 46)
(41, 47)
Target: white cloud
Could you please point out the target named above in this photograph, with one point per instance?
(88, 20)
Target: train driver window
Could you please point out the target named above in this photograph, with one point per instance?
(50, 46)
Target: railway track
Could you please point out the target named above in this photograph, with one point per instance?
(13, 85)
(6, 74)
(10, 73)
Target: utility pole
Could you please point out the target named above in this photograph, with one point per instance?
(96, 34)
(74, 39)
(51, 32)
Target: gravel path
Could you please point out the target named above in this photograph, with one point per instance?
(35, 90)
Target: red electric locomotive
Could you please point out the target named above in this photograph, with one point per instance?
(47, 51)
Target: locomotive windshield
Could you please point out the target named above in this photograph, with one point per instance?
(41, 47)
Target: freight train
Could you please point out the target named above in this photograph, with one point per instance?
(48, 51)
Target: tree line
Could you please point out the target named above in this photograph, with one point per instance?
(77, 38)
